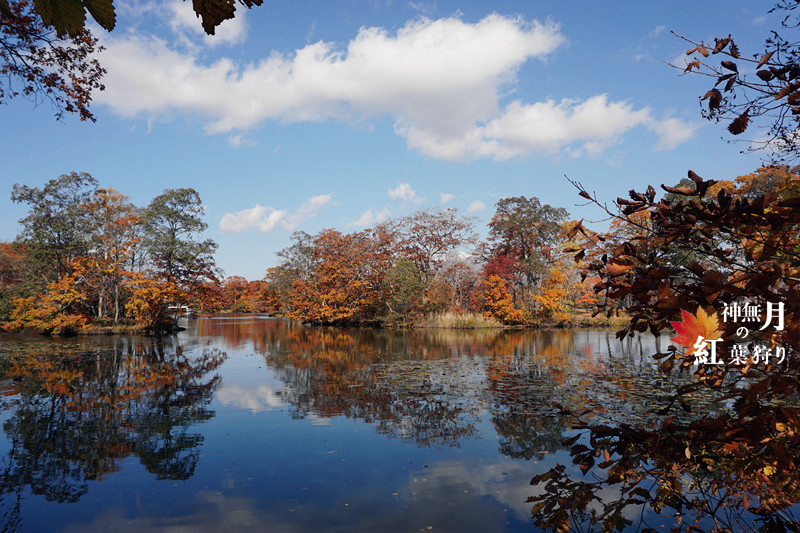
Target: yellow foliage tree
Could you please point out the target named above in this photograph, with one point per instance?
(56, 311)
(151, 299)
(498, 302)
(553, 298)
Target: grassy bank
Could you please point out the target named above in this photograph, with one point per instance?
(469, 320)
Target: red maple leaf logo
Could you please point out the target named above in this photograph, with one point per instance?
(700, 325)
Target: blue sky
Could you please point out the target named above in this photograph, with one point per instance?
(310, 115)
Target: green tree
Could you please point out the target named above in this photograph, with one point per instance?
(58, 227)
(172, 223)
(406, 288)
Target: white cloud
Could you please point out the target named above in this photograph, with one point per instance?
(672, 132)
(237, 141)
(260, 398)
(369, 218)
(446, 197)
(423, 7)
(265, 219)
(403, 191)
(658, 30)
(440, 81)
(312, 205)
(476, 206)
(585, 127)
(268, 219)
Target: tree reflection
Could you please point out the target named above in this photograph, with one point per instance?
(331, 372)
(75, 418)
(432, 387)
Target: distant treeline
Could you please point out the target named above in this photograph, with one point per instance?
(87, 258)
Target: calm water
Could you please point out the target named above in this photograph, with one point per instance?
(258, 424)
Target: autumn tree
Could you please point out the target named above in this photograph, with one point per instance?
(455, 286)
(62, 308)
(115, 235)
(338, 290)
(780, 180)
(746, 251)
(245, 296)
(152, 301)
(554, 299)
(12, 257)
(498, 302)
(427, 236)
(522, 235)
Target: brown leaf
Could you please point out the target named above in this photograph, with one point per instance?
(574, 230)
(764, 59)
(703, 50)
(585, 195)
(764, 75)
(721, 44)
(691, 51)
(730, 65)
(691, 65)
(739, 124)
(714, 99)
(787, 89)
(725, 77)
(790, 202)
(617, 268)
(685, 191)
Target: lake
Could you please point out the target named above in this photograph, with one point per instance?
(250, 423)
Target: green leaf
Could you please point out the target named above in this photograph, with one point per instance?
(102, 11)
(66, 16)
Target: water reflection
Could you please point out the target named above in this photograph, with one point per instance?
(433, 387)
(73, 418)
(398, 427)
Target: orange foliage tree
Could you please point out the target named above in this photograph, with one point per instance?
(553, 298)
(497, 301)
(116, 234)
(339, 288)
(58, 310)
(152, 301)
